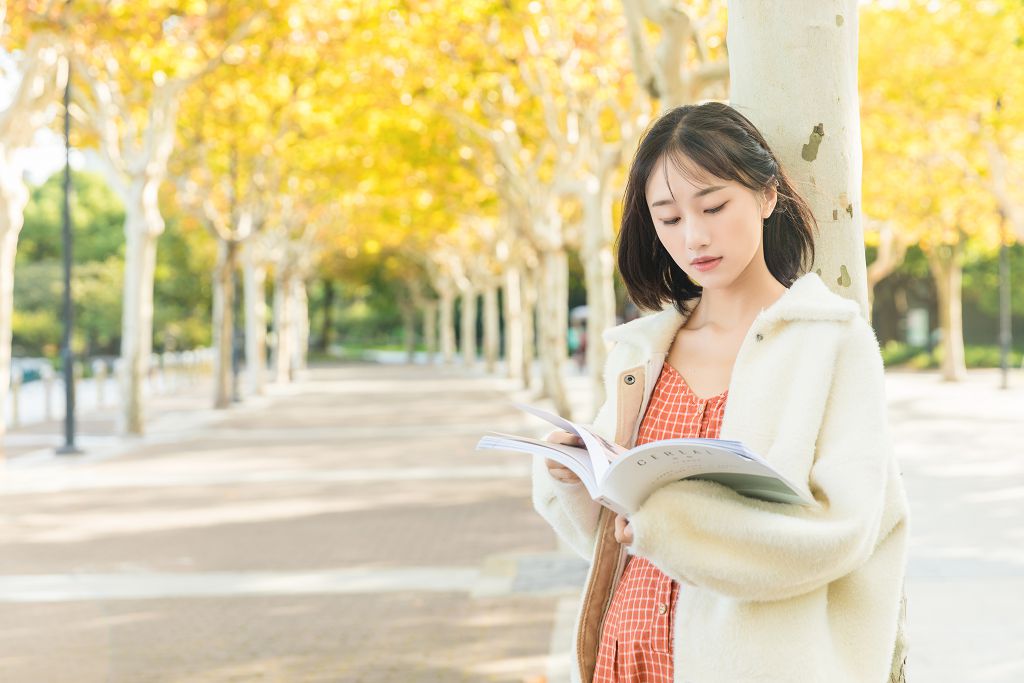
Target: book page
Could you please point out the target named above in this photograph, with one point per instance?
(634, 476)
(575, 458)
(601, 450)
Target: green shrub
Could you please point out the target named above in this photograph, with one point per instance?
(899, 354)
(988, 357)
(896, 353)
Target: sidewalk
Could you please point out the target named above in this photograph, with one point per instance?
(961, 449)
(344, 529)
(339, 529)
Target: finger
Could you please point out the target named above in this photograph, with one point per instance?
(563, 474)
(564, 438)
(554, 464)
(625, 530)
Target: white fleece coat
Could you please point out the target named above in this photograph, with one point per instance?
(773, 592)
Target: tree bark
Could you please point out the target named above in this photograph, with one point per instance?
(946, 265)
(327, 326)
(143, 224)
(409, 331)
(529, 303)
(668, 76)
(447, 323)
(254, 278)
(599, 268)
(553, 319)
(300, 316)
(33, 103)
(892, 250)
(283, 327)
(467, 339)
(14, 198)
(794, 75)
(224, 321)
(513, 323)
(430, 312)
(492, 324)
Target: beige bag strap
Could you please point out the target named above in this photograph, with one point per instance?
(898, 673)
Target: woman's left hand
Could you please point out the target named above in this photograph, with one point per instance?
(623, 532)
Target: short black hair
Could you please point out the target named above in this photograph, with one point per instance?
(710, 139)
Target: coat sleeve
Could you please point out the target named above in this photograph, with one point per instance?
(706, 534)
(568, 508)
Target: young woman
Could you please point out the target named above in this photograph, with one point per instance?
(701, 584)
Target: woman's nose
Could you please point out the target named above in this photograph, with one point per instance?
(696, 239)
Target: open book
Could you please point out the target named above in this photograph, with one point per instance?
(622, 479)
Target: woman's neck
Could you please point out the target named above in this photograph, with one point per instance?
(733, 308)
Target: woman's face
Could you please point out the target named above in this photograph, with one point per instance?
(720, 219)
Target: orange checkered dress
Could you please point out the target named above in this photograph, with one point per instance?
(636, 637)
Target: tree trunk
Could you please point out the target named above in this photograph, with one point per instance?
(468, 335)
(409, 331)
(283, 327)
(30, 106)
(668, 75)
(513, 323)
(599, 268)
(430, 312)
(327, 327)
(945, 263)
(300, 330)
(794, 74)
(143, 225)
(447, 323)
(892, 250)
(13, 198)
(553, 319)
(224, 321)
(254, 278)
(492, 338)
(529, 302)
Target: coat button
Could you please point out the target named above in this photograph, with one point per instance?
(630, 379)
(760, 337)
(662, 608)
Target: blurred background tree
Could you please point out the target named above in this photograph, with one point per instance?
(183, 274)
(446, 177)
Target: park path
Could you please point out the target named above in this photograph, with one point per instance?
(343, 529)
(340, 529)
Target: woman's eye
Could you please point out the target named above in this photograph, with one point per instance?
(671, 222)
(717, 208)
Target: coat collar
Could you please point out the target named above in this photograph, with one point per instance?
(808, 298)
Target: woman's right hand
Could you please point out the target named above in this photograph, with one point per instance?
(557, 469)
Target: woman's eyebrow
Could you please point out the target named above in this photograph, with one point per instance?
(699, 193)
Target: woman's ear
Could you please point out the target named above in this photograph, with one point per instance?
(771, 198)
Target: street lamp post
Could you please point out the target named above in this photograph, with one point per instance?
(67, 356)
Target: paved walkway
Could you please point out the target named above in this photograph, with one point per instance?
(343, 529)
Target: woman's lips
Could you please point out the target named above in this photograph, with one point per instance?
(707, 265)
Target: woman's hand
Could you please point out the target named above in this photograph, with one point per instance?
(623, 531)
(557, 469)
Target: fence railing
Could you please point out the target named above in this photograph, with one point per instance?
(43, 399)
